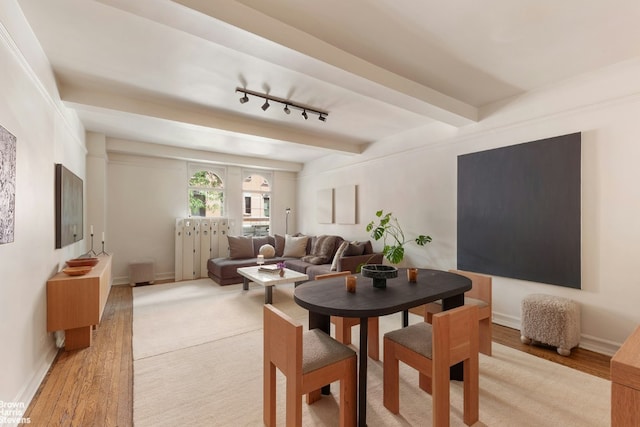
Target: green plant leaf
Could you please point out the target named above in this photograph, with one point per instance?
(394, 254)
(423, 240)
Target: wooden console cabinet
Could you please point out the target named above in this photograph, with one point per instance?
(75, 303)
(625, 383)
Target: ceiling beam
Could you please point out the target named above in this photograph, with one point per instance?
(329, 63)
(76, 97)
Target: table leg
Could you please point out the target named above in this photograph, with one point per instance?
(268, 294)
(456, 372)
(362, 372)
(245, 284)
(405, 318)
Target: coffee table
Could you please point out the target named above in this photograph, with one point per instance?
(268, 280)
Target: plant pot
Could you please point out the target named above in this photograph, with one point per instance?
(379, 273)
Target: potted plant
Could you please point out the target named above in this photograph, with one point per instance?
(388, 229)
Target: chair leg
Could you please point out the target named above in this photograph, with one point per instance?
(374, 338)
(471, 390)
(390, 380)
(293, 404)
(424, 382)
(486, 329)
(269, 395)
(440, 395)
(348, 395)
(343, 331)
(314, 396)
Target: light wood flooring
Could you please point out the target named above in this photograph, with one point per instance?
(94, 386)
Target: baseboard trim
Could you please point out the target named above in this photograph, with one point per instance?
(29, 391)
(588, 342)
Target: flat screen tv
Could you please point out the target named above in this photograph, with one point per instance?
(69, 207)
(519, 211)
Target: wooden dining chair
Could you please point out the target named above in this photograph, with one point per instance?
(343, 325)
(480, 295)
(432, 350)
(309, 360)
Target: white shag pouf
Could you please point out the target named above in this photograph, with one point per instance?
(551, 320)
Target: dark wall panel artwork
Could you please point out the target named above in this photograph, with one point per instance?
(69, 207)
(519, 211)
(7, 185)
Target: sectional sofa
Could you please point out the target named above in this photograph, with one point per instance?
(311, 255)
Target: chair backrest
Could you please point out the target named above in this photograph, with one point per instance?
(455, 334)
(480, 285)
(282, 341)
(333, 274)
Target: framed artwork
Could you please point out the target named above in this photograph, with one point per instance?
(69, 207)
(7, 185)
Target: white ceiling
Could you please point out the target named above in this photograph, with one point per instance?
(165, 72)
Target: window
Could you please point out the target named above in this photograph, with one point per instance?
(206, 192)
(256, 191)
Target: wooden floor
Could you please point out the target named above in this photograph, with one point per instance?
(94, 386)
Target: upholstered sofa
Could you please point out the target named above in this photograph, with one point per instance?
(311, 255)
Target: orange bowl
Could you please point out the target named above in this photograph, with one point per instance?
(77, 271)
(80, 262)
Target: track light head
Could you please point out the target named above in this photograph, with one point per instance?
(286, 109)
(322, 118)
(244, 99)
(304, 114)
(265, 105)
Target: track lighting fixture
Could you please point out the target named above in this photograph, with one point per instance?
(288, 105)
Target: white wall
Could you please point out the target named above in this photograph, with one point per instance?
(145, 196)
(414, 176)
(46, 134)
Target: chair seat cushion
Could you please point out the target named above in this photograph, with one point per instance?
(415, 337)
(320, 350)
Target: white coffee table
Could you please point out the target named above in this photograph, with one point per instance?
(253, 274)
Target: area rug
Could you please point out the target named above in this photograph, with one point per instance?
(216, 379)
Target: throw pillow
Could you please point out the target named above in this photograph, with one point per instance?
(295, 247)
(267, 251)
(279, 243)
(321, 251)
(339, 253)
(240, 247)
(355, 249)
(258, 242)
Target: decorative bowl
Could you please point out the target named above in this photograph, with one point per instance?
(77, 271)
(379, 273)
(81, 262)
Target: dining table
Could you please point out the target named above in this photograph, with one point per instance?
(329, 297)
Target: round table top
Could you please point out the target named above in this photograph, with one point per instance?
(330, 297)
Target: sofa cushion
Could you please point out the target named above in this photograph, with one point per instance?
(279, 244)
(258, 242)
(339, 253)
(355, 249)
(240, 247)
(295, 246)
(322, 250)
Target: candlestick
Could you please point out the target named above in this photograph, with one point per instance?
(91, 228)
